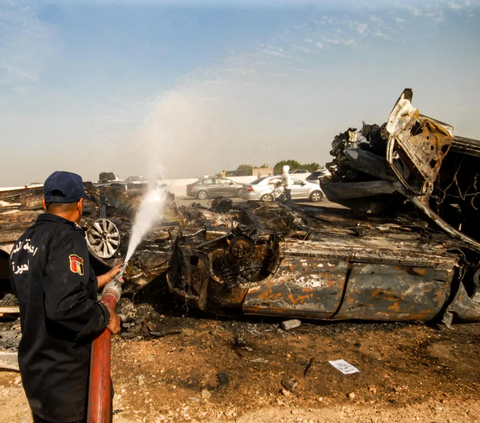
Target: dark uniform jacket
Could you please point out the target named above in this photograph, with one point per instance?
(56, 290)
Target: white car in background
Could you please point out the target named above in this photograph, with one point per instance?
(302, 174)
(262, 188)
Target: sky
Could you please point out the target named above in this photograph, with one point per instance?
(186, 88)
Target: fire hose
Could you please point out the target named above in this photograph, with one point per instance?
(100, 386)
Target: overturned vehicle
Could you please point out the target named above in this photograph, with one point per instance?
(406, 249)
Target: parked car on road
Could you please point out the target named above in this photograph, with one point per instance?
(261, 189)
(298, 171)
(137, 179)
(214, 187)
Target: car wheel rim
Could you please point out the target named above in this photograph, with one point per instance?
(103, 238)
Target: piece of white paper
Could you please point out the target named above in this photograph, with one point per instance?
(344, 367)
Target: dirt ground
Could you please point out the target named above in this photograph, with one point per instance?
(171, 364)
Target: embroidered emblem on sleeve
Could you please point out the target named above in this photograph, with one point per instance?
(76, 264)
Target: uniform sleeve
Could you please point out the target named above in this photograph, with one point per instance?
(65, 288)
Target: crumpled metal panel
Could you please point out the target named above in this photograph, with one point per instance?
(463, 308)
(379, 292)
(420, 141)
(303, 286)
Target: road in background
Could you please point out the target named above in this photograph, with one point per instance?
(186, 201)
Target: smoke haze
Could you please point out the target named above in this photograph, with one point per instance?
(206, 88)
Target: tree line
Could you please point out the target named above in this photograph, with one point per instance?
(246, 169)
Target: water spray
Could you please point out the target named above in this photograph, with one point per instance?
(123, 269)
(149, 212)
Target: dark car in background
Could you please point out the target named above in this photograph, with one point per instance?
(318, 175)
(215, 187)
(298, 171)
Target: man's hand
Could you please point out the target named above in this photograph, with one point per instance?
(113, 324)
(102, 280)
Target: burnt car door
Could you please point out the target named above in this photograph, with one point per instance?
(306, 284)
(353, 278)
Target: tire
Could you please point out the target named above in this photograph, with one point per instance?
(268, 198)
(202, 195)
(316, 196)
(103, 239)
(240, 192)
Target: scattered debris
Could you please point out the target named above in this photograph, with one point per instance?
(8, 311)
(309, 367)
(223, 380)
(290, 384)
(206, 394)
(291, 324)
(9, 361)
(162, 334)
(344, 367)
(259, 360)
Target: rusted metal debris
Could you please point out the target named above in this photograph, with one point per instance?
(9, 361)
(312, 262)
(9, 311)
(296, 261)
(410, 157)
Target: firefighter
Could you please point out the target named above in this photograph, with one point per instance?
(56, 289)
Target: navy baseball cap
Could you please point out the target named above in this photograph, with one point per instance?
(63, 187)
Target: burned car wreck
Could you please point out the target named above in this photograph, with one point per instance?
(107, 219)
(314, 263)
(406, 249)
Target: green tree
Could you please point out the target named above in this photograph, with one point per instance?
(296, 165)
(244, 170)
(311, 166)
(292, 163)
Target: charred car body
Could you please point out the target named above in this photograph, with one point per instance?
(418, 260)
(107, 218)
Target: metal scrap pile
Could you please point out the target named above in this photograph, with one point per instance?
(411, 157)
(419, 260)
(319, 263)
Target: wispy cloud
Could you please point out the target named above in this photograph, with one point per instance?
(380, 34)
(273, 52)
(437, 15)
(25, 44)
(331, 40)
(416, 12)
(361, 28)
